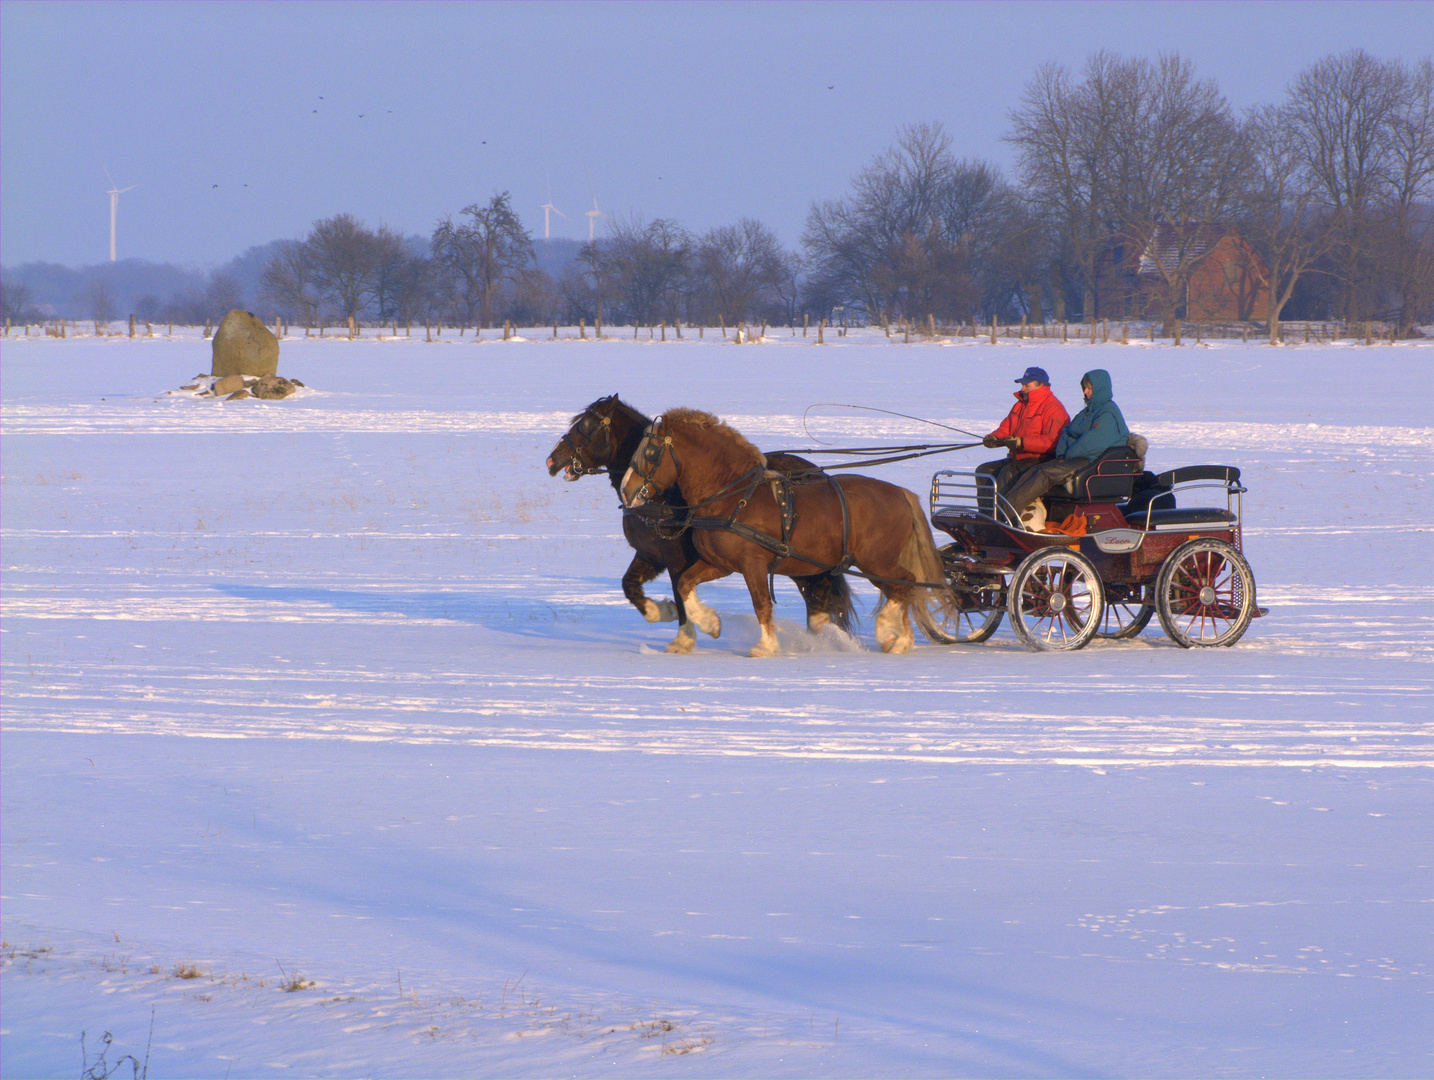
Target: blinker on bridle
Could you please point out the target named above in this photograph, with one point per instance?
(589, 427)
(650, 454)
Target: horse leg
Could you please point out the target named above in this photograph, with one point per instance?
(828, 600)
(641, 570)
(684, 589)
(756, 577)
(707, 620)
(893, 624)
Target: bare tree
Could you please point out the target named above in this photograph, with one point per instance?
(343, 263)
(1410, 195)
(1064, 134)
(221, 296)
(402, 275)
(287, 283)
(1342, 112)
(739, 270)
(648, 266)
(15, 299)
(1133, 147)
(1182, 163)
(101, 297)
(1280, 214)
(917, 234)
(478, 255)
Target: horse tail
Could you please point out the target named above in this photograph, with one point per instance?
(920, 557)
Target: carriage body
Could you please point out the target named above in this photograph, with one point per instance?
(1142, 554)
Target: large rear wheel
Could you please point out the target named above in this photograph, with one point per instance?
(1055, 600)
(1205, 594)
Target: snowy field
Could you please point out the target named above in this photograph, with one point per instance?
(331, 748)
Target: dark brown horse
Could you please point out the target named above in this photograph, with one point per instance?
(738, 506)
(602, 438)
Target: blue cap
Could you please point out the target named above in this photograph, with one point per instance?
(1035, 374)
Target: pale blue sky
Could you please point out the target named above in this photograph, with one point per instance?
(404, 112)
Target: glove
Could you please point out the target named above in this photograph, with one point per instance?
(990, 442)
(1012, 441)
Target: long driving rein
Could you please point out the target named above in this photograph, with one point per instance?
(651, 454)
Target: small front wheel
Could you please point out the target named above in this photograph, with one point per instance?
(1055, 600)
(955, 624)
(1205, 594)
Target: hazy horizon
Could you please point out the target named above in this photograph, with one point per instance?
(242, 124)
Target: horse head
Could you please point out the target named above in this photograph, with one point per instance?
(654, 467)
(590, 444)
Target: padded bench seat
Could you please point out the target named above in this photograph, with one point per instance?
(1181, 519)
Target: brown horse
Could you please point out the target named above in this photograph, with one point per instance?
(739, 528)
(602, 438)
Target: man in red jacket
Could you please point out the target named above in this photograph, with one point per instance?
(1029, 434)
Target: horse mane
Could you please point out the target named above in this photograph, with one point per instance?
(618, 404)
(699, 419)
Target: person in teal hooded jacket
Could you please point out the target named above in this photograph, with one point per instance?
(1091, 432)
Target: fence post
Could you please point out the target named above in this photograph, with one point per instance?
(993, 329)
(820, 327)
(583, 328)
(806, 317)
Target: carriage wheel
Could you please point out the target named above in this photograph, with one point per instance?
(962, 624)
(969, 617)
(1128, 609)
(1055, 600)
(1205, 594)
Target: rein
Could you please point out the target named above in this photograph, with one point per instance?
(867, 454)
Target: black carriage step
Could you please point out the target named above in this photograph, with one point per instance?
(1197, 518)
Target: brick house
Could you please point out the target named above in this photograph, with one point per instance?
(1226, 280)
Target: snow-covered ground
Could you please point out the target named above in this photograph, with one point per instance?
(341, 693)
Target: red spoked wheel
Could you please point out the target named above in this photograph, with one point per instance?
(1205, 594)
(1055, 600)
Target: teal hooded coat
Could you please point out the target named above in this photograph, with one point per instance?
(1097, 427)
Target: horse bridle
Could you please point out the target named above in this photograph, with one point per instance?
(649, 455)
(589, 427)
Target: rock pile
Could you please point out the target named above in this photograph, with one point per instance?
(238, 387)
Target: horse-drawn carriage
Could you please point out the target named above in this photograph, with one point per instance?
(701, 502)
(1143, 553)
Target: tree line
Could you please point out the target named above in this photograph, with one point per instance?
(1333, 188)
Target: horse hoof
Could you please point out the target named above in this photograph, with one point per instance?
(680, 645)
(760, 650)
(712, 627)
(660, 611)
(898, 646)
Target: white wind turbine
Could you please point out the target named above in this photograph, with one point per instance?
(592, 217)
(593, 214)
(549, 208)
(114, 194)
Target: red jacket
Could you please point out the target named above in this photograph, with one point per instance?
(1038, 422)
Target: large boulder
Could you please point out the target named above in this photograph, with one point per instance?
(244, 346)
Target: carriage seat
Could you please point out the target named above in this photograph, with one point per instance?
(1148, 492)
(1110, 476)
(1183, 519)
